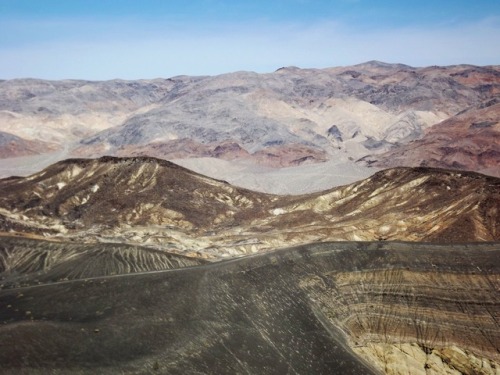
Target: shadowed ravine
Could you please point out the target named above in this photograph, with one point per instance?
(293, 311)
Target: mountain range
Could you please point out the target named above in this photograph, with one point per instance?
(372, 114)
(340, 220)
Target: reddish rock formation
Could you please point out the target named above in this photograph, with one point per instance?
(468, 141)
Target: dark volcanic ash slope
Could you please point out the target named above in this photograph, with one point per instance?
(28, 261)
(156, 203)
(404, 308)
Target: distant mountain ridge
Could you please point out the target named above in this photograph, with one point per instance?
(286, 118)
(469, 140)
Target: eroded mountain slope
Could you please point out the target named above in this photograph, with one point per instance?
(157, 203)
(417, 204)
(14, 146)
(113, 191)
(65, 111)
(468, 141)
(296, 115)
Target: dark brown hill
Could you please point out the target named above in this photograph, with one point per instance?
(110, 191)
(416, 204)
(156, 203)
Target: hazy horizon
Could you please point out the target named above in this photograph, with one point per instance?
(102, 40)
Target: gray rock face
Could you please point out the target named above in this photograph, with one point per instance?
(335, 133)
(6, 138)
(34, 96)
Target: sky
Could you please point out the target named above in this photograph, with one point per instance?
(132, 39)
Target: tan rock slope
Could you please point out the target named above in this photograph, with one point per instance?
(434, 314)
(159, 204)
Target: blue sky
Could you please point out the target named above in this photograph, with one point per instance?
(130, 39)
